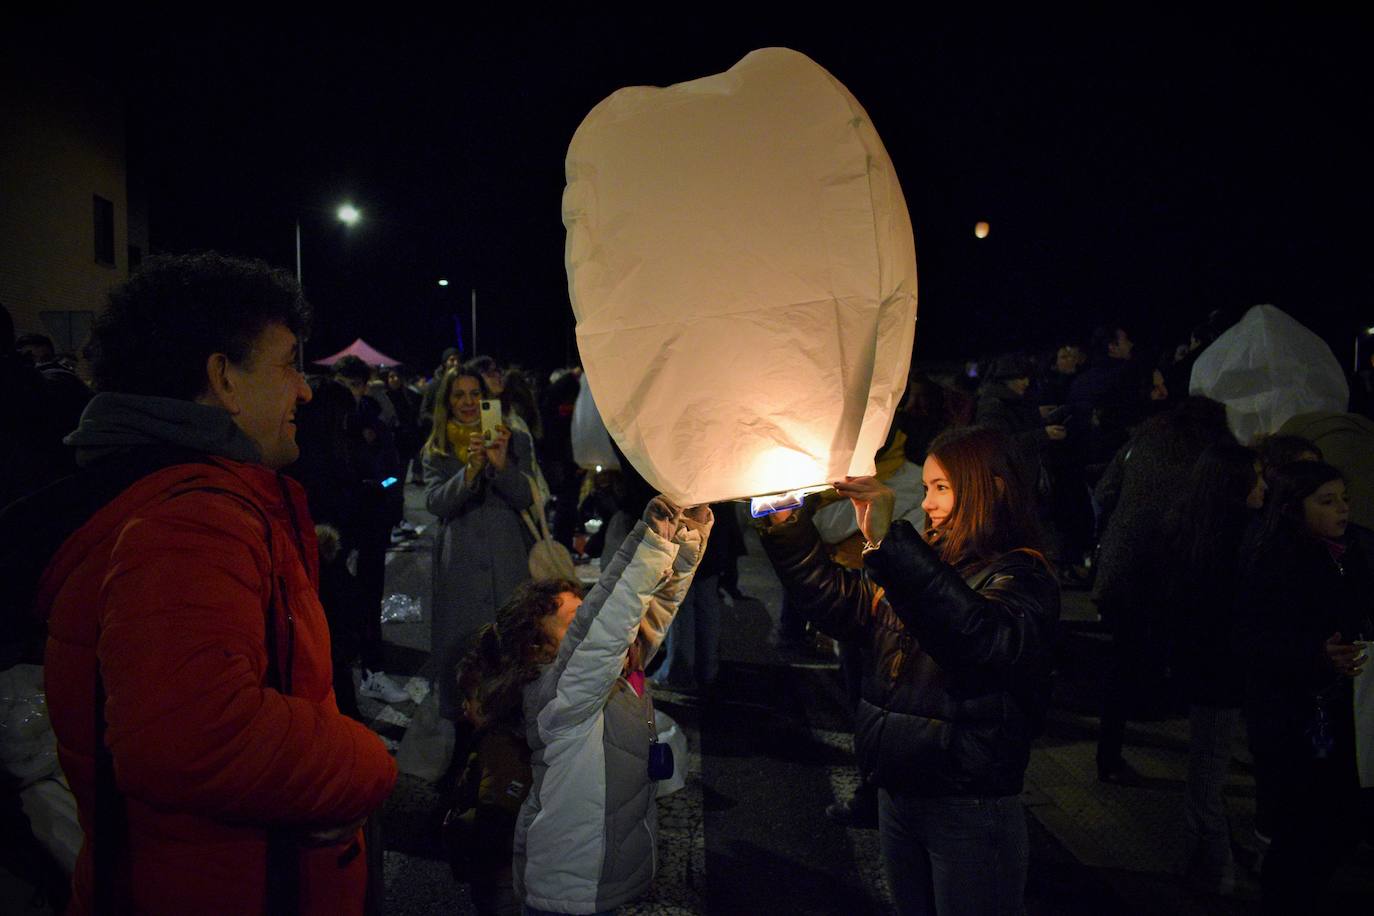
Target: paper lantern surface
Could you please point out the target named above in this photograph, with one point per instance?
(1266, 369)
(741, 267)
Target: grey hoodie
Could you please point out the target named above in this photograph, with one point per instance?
(113, 422)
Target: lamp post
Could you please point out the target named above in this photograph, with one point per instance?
(458, 324)
(1360, 335)
(346, 214)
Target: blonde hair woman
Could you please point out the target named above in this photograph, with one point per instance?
(477, 490)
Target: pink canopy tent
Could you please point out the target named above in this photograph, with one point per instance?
(361, 349)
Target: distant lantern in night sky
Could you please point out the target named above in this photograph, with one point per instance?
(980, 229)
(443, 283)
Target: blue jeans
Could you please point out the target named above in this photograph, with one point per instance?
(691, 649)
(1207, 832)
(954, 856)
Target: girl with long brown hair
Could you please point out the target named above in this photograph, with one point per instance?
(958, 626)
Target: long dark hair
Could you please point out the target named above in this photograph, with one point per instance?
(1280, 448)
(518, 397)
(510, 653)
(1284, 527)
(993, 513)
(1182, 432)
(1207, 526)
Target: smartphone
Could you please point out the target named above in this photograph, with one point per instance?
(389, 482)
(491, 419)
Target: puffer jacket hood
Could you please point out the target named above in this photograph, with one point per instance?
(114, 422)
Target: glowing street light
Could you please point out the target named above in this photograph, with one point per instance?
(347, 214)
(1360, 335)
(443, 282)
(981, 229)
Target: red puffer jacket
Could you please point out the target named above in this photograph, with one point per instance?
(170, 586)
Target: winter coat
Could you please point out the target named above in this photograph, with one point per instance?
(481, 549)
(489, 795)
(1100, 409)
(1002, 409)
(956, 670)
(1139, 489)
(176, 586)
(1201, 605)
(1291, 601)
(587, 832)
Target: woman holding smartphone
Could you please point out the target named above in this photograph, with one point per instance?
(477, 488)
(958, 626)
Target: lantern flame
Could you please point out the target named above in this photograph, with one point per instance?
(981, 229)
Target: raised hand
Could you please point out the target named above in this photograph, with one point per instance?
(1347, 658)
(873, 504)
(477, 453)
(496, 452)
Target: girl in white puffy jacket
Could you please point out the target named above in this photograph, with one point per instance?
(586, 838)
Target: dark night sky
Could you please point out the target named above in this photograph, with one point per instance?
(1134, 167)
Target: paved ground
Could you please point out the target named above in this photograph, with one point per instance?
(747, 834)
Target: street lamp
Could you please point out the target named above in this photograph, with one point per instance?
(1360, 335)
(347, 214)
(443, 282)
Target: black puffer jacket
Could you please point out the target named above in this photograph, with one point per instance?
(1290, 603)
(956, 672)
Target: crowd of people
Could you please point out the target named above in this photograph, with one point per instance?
(202, 535)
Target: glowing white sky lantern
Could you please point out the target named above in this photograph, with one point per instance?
(1267, 369)
(741, 266)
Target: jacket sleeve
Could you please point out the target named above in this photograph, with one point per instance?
(447, 485)
(183, 655)
(1005, 625)
(838, 600)
(1273, 634)
(1108, 489)
(594, 649)
(691, 537)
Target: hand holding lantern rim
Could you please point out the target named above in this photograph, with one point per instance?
(873, 505)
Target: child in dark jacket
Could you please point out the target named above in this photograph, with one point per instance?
(1303, 621)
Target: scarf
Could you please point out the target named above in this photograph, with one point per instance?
(458, 436)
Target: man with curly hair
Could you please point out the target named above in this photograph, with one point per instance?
(188, 664)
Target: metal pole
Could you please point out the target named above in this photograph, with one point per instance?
(298, 252)
(474, 324)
